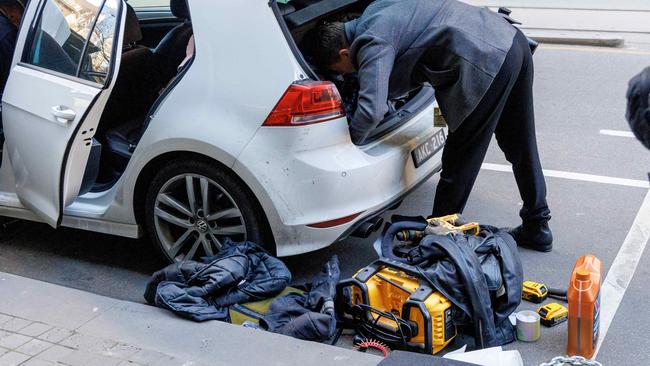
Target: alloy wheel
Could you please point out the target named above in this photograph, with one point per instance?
(193, 215)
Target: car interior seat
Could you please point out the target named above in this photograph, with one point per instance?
(161, 66)
(134, 58)
(139, 82)
(171, 49)
(132, 30)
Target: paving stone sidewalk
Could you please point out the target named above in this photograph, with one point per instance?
(29, 343)
(46, 324)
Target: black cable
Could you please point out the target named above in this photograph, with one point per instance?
(337, 336)
(558, 294)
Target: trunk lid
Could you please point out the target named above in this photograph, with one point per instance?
(298, 17)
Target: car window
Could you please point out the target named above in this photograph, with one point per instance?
(62, 33)
(97, 59)
(138, 4)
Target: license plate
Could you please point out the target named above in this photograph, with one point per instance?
(429, 148)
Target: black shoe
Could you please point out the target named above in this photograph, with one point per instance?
(537, 236)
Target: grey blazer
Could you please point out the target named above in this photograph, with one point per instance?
(398, 44)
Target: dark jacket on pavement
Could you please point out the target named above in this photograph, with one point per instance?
(398, 44)
(481, 275)
(310, 315)
(239, 273)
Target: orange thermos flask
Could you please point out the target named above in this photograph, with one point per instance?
(584, 306)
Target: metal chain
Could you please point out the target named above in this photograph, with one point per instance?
(571, 361)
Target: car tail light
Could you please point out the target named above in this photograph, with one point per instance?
(307, 103)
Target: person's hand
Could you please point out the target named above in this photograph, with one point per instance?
(638, 112)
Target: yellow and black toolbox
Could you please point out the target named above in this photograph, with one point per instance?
(391, 302)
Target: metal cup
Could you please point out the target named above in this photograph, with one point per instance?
(528, 326)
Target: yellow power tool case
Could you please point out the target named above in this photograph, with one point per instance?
(255, 310)
(391, 302)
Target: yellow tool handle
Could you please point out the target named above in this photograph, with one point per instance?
(450, 223)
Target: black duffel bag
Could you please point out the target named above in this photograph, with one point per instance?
(480, 274)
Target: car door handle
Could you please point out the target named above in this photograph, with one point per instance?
(63, 114)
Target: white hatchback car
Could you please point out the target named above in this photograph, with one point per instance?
(114, 124)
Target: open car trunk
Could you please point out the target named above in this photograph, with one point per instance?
(298, 17)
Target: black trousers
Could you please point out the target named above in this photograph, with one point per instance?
(506, 110)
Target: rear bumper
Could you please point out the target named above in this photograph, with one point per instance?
(387, 207)
(312, 174)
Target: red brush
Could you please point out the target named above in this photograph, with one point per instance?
(366, 344)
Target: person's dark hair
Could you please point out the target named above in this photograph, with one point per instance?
(330, 39)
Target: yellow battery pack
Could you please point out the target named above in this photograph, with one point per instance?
(389, 302)
(534, 292)
(552, 314)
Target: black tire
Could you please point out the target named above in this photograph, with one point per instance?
(252, 215)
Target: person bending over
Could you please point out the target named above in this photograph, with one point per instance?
(481, 68)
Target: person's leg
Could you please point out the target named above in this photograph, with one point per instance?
(466, 147)
(461, 161)
(515, 134)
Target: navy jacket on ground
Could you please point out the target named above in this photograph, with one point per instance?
(239, 273)
(398, 44)
(311, 315)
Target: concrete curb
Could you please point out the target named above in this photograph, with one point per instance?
(211, 343)
(578, 41)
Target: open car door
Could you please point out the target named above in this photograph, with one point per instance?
(65, 62)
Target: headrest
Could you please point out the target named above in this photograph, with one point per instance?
(132, 31)
(180, 9)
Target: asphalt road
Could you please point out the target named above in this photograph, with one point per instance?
(579, 92)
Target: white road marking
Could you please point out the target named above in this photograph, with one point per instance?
(617, 133)
(576, 176)
(622, 270)
(594, 49)
(624, 266)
